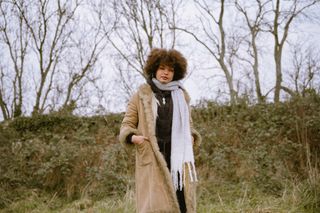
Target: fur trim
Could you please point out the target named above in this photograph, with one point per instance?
(154, 103)
(124, 134)
(197, 137)
(146, 98)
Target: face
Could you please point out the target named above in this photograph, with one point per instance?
(164, 74)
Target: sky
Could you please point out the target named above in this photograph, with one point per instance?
(205, 79)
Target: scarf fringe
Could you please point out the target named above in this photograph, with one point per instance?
(179, 181)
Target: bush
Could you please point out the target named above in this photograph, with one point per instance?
(263, 145)
(67, 155)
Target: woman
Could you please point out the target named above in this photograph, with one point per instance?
(158, 125)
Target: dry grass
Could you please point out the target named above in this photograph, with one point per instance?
(239, 198)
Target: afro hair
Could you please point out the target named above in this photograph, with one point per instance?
(171, 57)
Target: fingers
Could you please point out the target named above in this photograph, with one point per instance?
(141, 140)
(138, 139)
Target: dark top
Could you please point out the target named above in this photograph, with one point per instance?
(164, 121)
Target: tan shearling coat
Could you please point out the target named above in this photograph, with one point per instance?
(154, 187)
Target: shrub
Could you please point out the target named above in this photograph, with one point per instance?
(263, 145)
(68, 155)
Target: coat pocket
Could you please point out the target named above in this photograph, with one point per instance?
(144, 153)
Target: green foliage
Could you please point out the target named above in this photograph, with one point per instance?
(67, 155)
(40, 123)
(262, 144)
(250, 156)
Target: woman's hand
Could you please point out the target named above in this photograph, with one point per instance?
(138, 139)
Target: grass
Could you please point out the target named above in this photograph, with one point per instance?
(47, 203)
(254, 161)
(237, 198)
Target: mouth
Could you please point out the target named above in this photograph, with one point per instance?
(164, 78)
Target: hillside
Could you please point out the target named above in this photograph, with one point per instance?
(254, 158)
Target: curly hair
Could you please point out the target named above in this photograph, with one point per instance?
(171, 57)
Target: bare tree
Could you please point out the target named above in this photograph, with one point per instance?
(46, 19)
(141, 26)
(3, 103)
(16, 42)
(305, 74)
(59, 51)
(255, 27)
(282, 21)
(87, 50)
(223, 48)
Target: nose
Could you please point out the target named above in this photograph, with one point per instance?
(166, 70)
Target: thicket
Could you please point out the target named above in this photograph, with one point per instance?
(270, 147)
(266, 146)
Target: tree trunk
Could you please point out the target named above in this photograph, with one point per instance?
(4, 109)
(277, 59)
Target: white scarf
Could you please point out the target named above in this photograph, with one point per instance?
(182, 158)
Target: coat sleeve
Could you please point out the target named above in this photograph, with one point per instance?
(130, 122)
